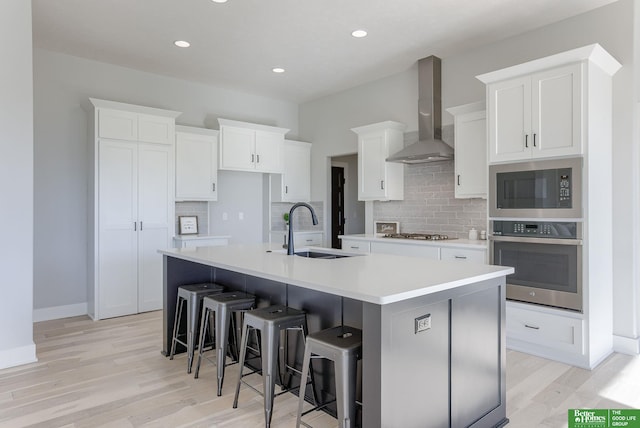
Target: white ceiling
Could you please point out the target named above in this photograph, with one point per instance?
(236, 44)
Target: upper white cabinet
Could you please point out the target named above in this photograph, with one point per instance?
(470, 130)
(379, 180)
(294, 184)
(131, 206)
(196, 164)
(537, 109)
(250, 147)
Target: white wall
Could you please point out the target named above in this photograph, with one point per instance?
(326, 121)
(16, 184)
(62, 84)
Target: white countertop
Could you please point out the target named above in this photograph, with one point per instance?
(198, 236)
(459, 243)
(373, 278)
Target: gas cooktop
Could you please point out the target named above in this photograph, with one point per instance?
(418, 236)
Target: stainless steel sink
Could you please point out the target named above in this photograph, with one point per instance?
(319, 255)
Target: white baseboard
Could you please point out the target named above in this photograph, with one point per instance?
(626, 345)
(57, 312)
(18, 356)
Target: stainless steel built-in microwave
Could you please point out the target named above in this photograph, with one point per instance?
(537, 189)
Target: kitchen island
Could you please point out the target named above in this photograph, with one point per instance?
(433, 331)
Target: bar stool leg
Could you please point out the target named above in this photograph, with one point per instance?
(192, 322)
(303, 388)
(269, 350)
(223, 319)
(176, 325)
(243, 353)
(345, 373)
(204, 326)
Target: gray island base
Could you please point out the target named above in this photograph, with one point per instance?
(433, 331)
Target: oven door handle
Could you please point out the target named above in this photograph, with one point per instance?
(552, 241)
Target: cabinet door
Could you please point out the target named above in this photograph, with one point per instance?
(426, 251)
(117, 125)
(471, 155)
(372, 152)
(556, 112)
(353, 246)
(510, 120)
(155, 186)
(196, 167)
(307, 239)
(117, 251)
(294, 184)
(463, 254)
(237, 148)
(268, 151)
(156, 129)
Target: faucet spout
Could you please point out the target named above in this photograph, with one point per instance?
(290, 250)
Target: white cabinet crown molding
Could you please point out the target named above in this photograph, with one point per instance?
(253, 126)
(114, 105)
(593, 53)
(196, 130)
(467, 108)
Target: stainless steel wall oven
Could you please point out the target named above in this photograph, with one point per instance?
(547, 257)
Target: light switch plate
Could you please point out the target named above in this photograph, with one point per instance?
(422, 323)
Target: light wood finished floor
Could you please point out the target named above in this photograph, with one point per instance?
(110, 373)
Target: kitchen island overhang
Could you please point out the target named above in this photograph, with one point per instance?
(433, 331)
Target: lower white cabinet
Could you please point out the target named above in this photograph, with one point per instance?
(200, 241)
(463, 254)
(546, 332)
(356, 246)
(301, 239)
(428, 252)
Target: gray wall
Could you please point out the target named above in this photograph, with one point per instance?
(327, 121)
(62, 85)
(16, 184)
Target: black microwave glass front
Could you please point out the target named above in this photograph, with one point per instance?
(540, 189)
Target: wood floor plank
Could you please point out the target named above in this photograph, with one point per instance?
(110, 374)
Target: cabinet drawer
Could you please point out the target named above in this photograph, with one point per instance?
(117, 125)
(307, 239)
(425, 251)
(463, 254)
(554, 331)
(356, 246)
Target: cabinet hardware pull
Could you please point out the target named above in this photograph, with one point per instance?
(286, 189)
(533, 327)
(382, 184)
(309, 240)
(458, 179)
(526, 140)
(534, 140)
(355, 248)
(141, 226)
(135, 226)
(460, 257)
(253, 158)
(213, 187)
(258, 158)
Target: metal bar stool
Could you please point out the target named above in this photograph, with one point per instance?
(270, 321)
(224, 305)
(343, 346)
(193, 295)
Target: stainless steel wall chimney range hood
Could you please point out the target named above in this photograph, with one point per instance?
(430, 147)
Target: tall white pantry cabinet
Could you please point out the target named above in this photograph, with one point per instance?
(131, 212)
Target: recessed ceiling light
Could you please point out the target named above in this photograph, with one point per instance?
(278, 70)
(182, 43)
(359, 33)
(219, 1)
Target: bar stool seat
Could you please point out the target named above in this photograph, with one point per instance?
(192, 294)
(343, 346)
(270, 321)
(223, 305)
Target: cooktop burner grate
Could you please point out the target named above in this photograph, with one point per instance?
(418, 236)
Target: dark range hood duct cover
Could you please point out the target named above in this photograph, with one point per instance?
(430, 147)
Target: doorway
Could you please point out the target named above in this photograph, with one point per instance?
(347, 213)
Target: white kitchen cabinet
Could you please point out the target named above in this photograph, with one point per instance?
(398, 249)
(117, 124)
(301, 239)
(250, 147)
(537, 115)
(354, 246)
(463, 254)
(470, 134)
(379, 180)
(200, 241)
(294, 184)
(131, 214)
(196, 164)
